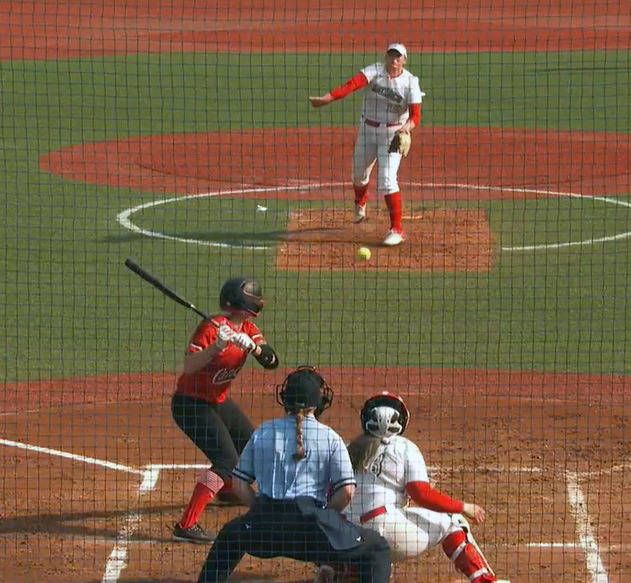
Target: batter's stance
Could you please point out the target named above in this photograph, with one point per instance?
(390, 470)
(201, 406)
(392, 102)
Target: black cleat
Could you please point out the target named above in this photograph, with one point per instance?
(195, 534)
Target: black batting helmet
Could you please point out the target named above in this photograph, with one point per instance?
(384, 415)
(241, 293)
(304, 388)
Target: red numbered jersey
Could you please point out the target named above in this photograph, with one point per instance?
(213, 381)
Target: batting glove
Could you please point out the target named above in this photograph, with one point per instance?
(225, 334)
(244, 342)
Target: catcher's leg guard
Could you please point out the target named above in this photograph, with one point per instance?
(464, 553)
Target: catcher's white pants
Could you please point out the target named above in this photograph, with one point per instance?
(411, 531)
(371, 147)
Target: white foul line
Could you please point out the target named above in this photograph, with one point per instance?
(71, 456)
(586, 538)
(117, 561)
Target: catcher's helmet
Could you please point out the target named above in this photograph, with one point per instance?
(304, 388)
(384, 415)
(241, 293)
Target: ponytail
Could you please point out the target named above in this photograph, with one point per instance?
(300, 446)
(362, 451)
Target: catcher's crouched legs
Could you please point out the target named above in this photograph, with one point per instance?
(464, 552)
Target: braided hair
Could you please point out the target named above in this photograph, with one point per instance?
(362, 451)
(302, 392)
(299, 416)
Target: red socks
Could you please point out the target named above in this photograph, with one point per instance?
(466, 558)
(393, 202)
(361, 194)
(201, 497)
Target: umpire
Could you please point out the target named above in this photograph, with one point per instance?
(297, 463)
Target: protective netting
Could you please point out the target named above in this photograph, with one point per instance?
(213, 140)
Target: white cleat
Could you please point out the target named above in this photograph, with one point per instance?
(393, 238)
(360, 213)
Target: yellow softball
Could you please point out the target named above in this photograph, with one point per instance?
(363, 253)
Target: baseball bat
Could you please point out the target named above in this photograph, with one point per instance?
(155, 282)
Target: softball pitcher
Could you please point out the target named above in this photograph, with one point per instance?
(201, 407)
(390, 470)
(392, 104)
(297, 462)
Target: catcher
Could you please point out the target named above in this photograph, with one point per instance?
(390, 470)
(391, 111)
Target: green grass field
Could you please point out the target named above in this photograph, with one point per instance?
(69, 308)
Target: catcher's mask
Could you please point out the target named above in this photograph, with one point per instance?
(241, 293)
(302, 389)
(384, 416)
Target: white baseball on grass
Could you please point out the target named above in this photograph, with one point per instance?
(260, 208)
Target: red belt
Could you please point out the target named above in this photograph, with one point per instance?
(376, 124)
(372, 514)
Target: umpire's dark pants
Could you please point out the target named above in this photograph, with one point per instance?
(220, 431)
(276, 528)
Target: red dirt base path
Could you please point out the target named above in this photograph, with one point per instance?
(52, 29)
(519, 443)
(203, 162)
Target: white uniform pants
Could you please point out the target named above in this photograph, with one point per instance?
(371, 147)
(411, 531)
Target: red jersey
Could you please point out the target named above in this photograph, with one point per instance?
(211, 383)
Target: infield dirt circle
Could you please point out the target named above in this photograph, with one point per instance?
(537, 448)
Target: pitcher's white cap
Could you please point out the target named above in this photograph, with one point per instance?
(398, 47)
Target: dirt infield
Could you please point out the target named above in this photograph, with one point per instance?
(95, 471)
(546, 454)
(202, 162)
(50, 29)
(438, 240)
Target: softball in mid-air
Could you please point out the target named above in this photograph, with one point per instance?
(363, 253)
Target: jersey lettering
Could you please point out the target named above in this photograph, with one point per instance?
(387, 92)
(376, 467)
(225, 375)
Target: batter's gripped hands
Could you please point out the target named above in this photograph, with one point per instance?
(225, 334)
(244, 342)
(321, 101)
(474, 513)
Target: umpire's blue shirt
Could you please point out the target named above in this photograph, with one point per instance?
(268, 459)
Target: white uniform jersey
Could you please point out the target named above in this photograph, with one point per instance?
(386, 99)
(409, 530)
(394, 465)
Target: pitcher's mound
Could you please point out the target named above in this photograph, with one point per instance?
(437, 240)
